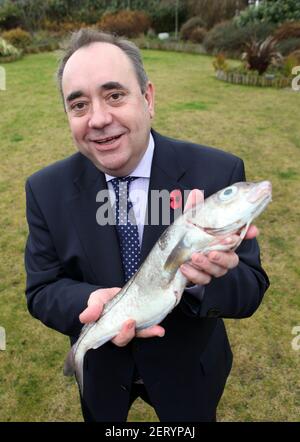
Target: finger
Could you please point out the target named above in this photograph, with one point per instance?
(149, 332)
(252, 232)
(202, 263)
(195, 197)
(103, 294)
(96, 303)
(227, 260)
(126, 334)
(92, 312)
(194, 275)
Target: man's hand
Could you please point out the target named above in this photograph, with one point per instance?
(202, 268)
(96, 303)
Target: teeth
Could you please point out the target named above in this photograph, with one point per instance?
(107, 140)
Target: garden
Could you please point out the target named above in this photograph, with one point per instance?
(259, 124)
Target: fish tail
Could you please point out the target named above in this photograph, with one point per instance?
(79, 371)
(69, 366)
(74, 366)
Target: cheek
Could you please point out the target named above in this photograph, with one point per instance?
(77, 129)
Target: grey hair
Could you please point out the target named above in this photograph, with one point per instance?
(87, 36)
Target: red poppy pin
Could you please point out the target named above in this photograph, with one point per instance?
(175, 199)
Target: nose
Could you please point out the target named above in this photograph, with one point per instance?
(100, 116)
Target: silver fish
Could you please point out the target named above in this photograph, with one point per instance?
(157, 287)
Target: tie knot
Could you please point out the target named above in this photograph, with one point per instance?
(122, 180)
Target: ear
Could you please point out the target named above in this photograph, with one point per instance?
(149, 97)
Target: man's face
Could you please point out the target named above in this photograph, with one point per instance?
(110, 118)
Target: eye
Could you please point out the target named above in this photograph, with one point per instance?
(116, 97)
(78, 107)
(228, 193)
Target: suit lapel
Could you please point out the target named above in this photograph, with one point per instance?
(166, 174)
(100, 243)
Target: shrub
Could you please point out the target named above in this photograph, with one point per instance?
(61, 28)
(189, 26)
(124, 22)
(198, 34)
(220, 63)
(18, 38)
(10, 16)
(230, 38)
(270, 11)
(288, 46)
(8, 51)
(288, 30)
(259, 55)
(290, 62)
(215, 11)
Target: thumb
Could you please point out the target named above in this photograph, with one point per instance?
(96, 302)
(195, 197)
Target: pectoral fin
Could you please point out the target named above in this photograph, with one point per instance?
(178, 256)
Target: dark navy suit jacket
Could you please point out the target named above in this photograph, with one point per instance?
(68, 255)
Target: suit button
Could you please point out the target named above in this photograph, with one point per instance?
(213, 313)
(124, 388)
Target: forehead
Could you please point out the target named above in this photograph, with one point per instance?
(97, 63)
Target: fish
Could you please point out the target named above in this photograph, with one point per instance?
(157, 287)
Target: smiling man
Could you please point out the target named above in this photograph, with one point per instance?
(75, 265)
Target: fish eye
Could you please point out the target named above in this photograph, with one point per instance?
(228, 193)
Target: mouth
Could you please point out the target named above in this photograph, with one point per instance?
(108, 141)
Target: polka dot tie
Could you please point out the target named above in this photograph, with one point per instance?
(126, 227)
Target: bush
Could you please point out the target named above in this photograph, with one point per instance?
(287, 30)
(198, 34)
(124, 22)
(18, 38)
(8, 52)
(188, 27)
(61, 28)
(10, 16)
(220, 63)
(259, 55)
(270, 11)
(288, 46)
(230, 38)
(214, 11)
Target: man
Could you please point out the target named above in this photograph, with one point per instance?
(75, 265)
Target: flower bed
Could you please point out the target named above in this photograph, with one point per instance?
(267, 80)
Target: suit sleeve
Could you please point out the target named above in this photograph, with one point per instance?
(52, 297)
(239, 293)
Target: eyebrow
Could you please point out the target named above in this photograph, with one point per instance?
(74, 95)
(106, 86)
(112, 85)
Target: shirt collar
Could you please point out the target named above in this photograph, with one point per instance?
(143, 169)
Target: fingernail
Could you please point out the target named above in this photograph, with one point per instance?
(131, 325)
(228, 240)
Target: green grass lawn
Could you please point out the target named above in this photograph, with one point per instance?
(259, 125)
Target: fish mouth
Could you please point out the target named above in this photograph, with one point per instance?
(260, 207)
